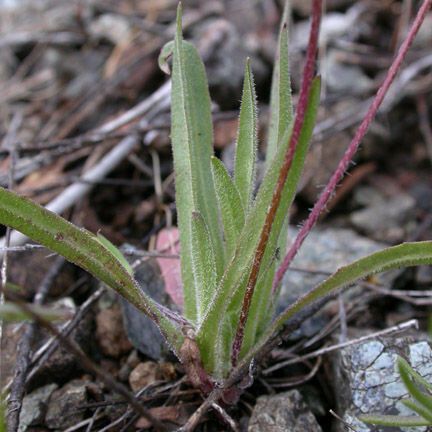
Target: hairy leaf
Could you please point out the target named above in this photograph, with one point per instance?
(403, 364)
(424, 413)
(83, 249)
(230, 205)
(404, 255)
(281, 110)
(191, 132)
(394, 420)
(247, 142)
(203, 264)
(423, 399)
(105, 242)
(233, 283)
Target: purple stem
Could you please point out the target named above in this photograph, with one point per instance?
(346, 159)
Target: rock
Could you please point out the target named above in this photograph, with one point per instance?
(146, 373)
(387, 220)
(65, 406)
(424, 36)
(115, 28)
(424, 275)
(281, 413)
(344, 79)
(303, 7)
(323, 250)
(141, 331)
(366, 380)
(225, 67)
(62, 365)
(143, 375)
(131, 362)
(34, 407)
(110, 332)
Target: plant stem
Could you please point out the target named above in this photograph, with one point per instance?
(308, 75)
(352, 148)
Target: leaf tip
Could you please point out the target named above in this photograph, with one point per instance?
(179, 15)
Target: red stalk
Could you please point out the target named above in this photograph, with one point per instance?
(352, 148)
(308, 75)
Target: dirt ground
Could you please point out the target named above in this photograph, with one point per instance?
(84, 129)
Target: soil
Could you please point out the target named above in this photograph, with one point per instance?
(70, 70)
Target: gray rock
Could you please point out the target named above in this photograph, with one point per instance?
(387, 220)
(344, 79)
(65, 406)
(366, 380)
(113, 27)
(34, 407)
(62, 365)
(325, 251)
(141, 331)
(284, 412)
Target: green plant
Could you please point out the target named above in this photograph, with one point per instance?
(229, 237)
(421, 403)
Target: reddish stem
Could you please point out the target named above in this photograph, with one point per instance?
(308, 75)
(346, 159)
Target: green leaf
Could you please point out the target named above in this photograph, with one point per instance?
(2, 415)
(191, 132)
(247, 141)
(228, 298)
(404, 255)
(406, 374)
(281, 110)
(165, 54)
(403, 364)
(230, 205)
(203, 264)
(115, 251)
(394, 420)
(84, 249)
(419, 409)
(12, 312)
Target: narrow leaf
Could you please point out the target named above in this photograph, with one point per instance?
(422, 398)
(203, 264)
(247, 141)
(12, 312)
(394, 420)
(403, 364)
(82, 248)
(281, 110)
(419, 409)
(191, 132)
(115, 251)
(404, 255)
(231, 288)
(230, 205)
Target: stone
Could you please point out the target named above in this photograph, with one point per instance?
(387, 220)
(142, 375)
(324, 250)
(281, 413)
(34, 407)
(62, 365)
(345, 79)
(110, 332)
(113, 27)
(65, 405)
(366, 380)
(142, 331)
